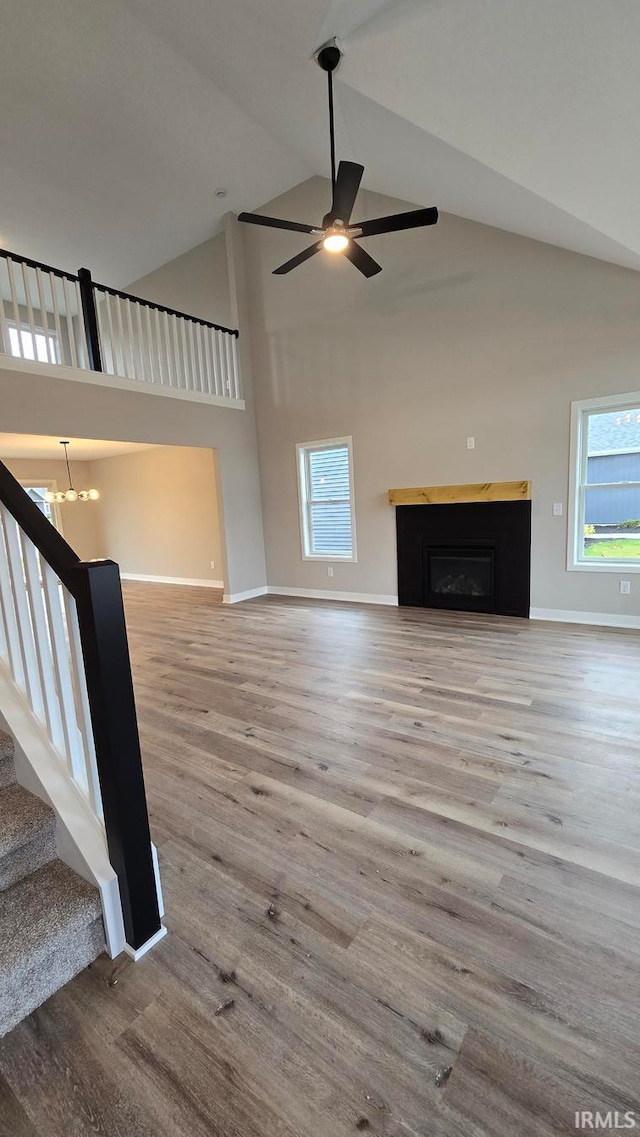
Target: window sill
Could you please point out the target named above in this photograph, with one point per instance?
(331, 557)
(610, 566)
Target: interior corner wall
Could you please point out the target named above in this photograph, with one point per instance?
(468, 331)
(81, 522)
(159, 512)
(199, 278)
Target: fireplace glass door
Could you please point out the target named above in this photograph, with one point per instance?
(460, 578)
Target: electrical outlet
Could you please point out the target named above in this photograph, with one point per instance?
(557, 509)
(625, 587)
(471, 443)
(213, 564)
(329, 570)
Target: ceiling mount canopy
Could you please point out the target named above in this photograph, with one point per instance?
(71, 494)
(337, 234)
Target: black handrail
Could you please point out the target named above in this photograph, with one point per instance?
(84, 273)
(95, 586)
(163, 308)
(37, 264)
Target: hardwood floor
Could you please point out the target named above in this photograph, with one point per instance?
(400, 853)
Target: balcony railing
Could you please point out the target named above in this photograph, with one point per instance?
(56, 317)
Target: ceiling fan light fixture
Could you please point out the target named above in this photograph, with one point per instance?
(336, 241)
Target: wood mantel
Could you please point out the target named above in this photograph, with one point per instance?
(447, 495)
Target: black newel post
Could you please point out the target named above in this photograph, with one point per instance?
(115, 729)
(90, 316)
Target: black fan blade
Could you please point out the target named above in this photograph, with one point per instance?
(300, 259)
(412, 220)
(276, 223)
(362, 260)
(345, 191)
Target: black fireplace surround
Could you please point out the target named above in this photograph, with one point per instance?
(472, 557)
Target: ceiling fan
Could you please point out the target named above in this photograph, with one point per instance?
(337, 233)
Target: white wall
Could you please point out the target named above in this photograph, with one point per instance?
(159, 512)
(467, 331)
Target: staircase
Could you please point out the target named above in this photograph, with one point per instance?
(50, 918)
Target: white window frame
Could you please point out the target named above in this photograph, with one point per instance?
(49, 484)
(580, 411)
(302, 464)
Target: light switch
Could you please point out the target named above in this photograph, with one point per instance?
(471, 443)
(625, 587)
(557, 509)
(329, 570)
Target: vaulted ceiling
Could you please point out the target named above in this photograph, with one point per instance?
(121, 119)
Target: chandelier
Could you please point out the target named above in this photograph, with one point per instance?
(71, 494)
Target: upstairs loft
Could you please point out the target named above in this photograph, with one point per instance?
(89, 331)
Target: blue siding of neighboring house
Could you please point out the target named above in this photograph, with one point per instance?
(608, 507)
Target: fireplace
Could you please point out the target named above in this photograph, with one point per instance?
(471, 557)
(459, 576)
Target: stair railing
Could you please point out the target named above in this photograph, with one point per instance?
(63, 641)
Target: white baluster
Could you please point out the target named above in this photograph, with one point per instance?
(235, 365)
(69, 319)
(53, 284)
(193, 353)
(150, 344)
(30, 317)
(82, 703)
(51, 356)
(21, 605)
(129, 370)
(14, 304)
(229, 361)
(202, 364)
(5, 343)
(39, 623)
(185, 354)
(132, 344)
(9, 616)
(217, 374)
(73, 748)
(157, 339)
(81, 335)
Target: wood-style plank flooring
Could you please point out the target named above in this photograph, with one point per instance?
(405, 844)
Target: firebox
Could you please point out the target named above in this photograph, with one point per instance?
(459, 577)
(471, 557)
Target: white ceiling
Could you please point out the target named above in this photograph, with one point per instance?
(120, 120)
(80, 449)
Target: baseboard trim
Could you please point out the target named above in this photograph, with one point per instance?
(322, 594)
(137, 953)
(237, 597)
(596, 619)
(172, 580)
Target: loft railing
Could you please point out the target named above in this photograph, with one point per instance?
(63, 644)
(58, 317)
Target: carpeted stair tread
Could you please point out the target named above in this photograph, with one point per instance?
(7, 769)
(6, 746)
(22, 818)
(41, 914)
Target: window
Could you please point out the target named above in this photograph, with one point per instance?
(325, 472)
(37, 492)
(36, 344)
(604, 533)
